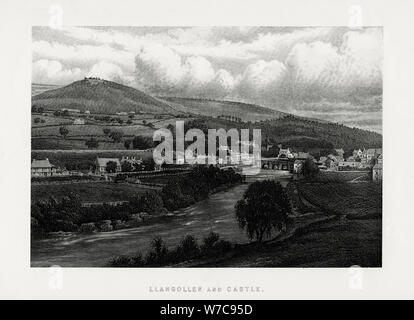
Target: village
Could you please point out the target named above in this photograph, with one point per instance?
(287, 160)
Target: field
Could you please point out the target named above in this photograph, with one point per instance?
(88, 191)
(45, 130)
(338, 243)
(342, 176)
(357, 200)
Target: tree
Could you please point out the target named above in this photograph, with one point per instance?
(64, 131)
(111, 166)
(126, 166)
(149, 202)
(148, 164)
(127, 144)
(141, 143)
(106, 131)
(92, 143)
(265, 206)
(116, 135)
(310, 169)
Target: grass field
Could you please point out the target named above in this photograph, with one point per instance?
(45, 135)
(88, 191)
(354, 199)
(338, 243)
(342, 176)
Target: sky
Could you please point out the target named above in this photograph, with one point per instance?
(330, 73)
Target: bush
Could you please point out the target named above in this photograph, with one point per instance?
(121, 262)
(188, 248)
(88, 228)
(105, 225)
(92, 143)
(149, 202)
(142, 143)
(159, 253)
(209, 242)
(116, 135)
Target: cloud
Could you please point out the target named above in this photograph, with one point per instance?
(317, 69)
(160, 69)
(53, 72)
(110, 71)
(82, 56)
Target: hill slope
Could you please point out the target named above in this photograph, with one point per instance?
(214, 108)
(101, 96)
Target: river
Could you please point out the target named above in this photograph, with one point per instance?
(95, 250)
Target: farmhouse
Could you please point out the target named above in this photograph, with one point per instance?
(42, 168)
(101, 164)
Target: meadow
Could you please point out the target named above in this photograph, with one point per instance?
(356, 200)
(99, 191)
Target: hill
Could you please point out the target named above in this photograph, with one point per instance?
(101, 96)
(302, 134)
(214, 108)
(106, 97)
(38, 88)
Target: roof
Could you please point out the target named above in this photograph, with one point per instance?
(103, 161)
(41, 164)
(377, 166)
(303, 155)
(370, 151)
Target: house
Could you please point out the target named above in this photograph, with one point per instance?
(377, 172)
(349, 165)
(357, 153)
(101, 164)
(78, 122)
(298, 166)
(87, 112)
(369, 156)
(42, 168)
(379, 159)
(285, 153)
(303, 155)
(132, 160)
